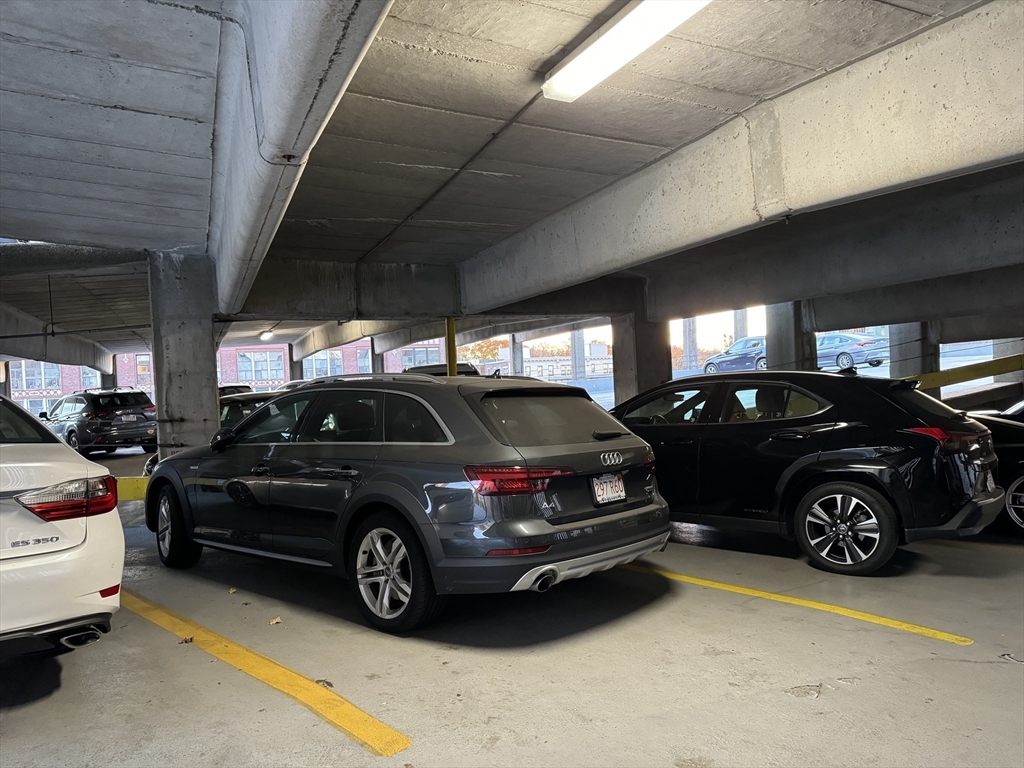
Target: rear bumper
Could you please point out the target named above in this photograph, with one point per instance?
(49, 636)
(579, 567)
(972, 519)
(119, 437)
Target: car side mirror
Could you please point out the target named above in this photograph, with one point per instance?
(42, 415)
(222, 439)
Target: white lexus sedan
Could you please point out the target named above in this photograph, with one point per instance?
(61, 541)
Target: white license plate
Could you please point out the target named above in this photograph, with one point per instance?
(608, 488)
(129, 417)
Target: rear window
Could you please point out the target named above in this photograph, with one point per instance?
(122, 400)
(17, 427)
(919, 404)
(546, 419)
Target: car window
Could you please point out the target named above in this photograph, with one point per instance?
(680, 406)
(122, 400)
(531, 418)
(275, 423)
(74, 405)
(17, 427)
(55, 411)
(407, 420)
(801, 404)
(344, 416)
(755, 402)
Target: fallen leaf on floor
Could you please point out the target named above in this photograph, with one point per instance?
(407, 765)
(246, 603)
(848, 680)
(324, 683)
(443, 663)
(276, 621)
(232, 591)
(805, 691)
(185, 640)
(1009, 657)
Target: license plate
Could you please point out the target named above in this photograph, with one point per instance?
(608, 488)
(129, 417)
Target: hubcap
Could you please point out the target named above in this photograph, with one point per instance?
(384, 573)
(1015, 501)
(73, 440)
(163, 526)
(762, 365)
(842, 529)
(845, 361)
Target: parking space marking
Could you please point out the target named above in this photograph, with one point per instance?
(935, 634)
(373, 734)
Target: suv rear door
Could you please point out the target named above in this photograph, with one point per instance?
(563, 429)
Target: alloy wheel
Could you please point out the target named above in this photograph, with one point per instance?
(845, 360)
(384, 573)
(163, 526)
(842, 529)
(762, 365)
(711, 368)
(1015, 501)
(73, 441)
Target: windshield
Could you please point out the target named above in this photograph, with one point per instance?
(17, 427)
(533, 419)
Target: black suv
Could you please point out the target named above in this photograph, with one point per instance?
(850, 466)
(104, 419)
(418, 486)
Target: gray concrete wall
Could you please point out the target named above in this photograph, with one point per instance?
(642, 354)
(791, 345)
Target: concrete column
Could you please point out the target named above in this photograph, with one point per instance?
(516, 352)
(691, 353)
(578, 355)
(791, 346)
(739, 322)
(913, 350)
(376, 362)
(294, 366)
(5, 378)
(182, 293)
(642, 354)
(1004, 348)
(109, 380)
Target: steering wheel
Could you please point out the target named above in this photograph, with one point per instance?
(659, 419)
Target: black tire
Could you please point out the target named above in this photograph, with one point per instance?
(761, 364)
(72, 440)
(412, 571)
(177, 550)
(829, 550)
(844, 361)
(710, 368)
(1015, 502)
(149, 448)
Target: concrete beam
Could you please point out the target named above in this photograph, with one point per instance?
(283, 69)
(470, 330)
(604, 296)
(526, 329)
(26, 336)
(941, 104)
(351, 291)
(593, 322)
(1005, 325)
(333, 334)
(49, 258)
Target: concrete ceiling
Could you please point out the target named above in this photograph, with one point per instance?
(440, 146)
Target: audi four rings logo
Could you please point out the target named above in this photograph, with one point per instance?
(611, 459)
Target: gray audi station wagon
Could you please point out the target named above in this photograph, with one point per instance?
(418, 487)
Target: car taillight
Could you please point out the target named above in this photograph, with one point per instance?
(520, 551)
(75, 498)
(97, 414)
(110, 591)
(510, 481)
(648, 463)
(149, 409)
(951, 442)
(866, 343)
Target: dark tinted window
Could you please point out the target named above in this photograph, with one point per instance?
(755, 402)
(276, 422)
(344, 416)
(232, 413)
(534, 419)
(408, 421)
(17, 427)
(680, 406)
(122, 400)
(919, 404)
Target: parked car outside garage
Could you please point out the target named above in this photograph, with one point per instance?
(849, 466)
(61, 542)
(104, 419)
(835, 350)
(418, 487)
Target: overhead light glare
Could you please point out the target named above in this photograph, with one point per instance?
(266, 336)
(629, 33)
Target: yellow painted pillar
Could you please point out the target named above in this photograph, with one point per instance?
(449, 345)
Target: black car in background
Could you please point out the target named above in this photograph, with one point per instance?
(1008, 438)
(417, 487)
(851, 466)
(104, 419)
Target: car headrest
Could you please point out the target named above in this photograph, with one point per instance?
(769, 402)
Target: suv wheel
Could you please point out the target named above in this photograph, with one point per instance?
(1015, 500)
(845, 360)
(846, 528)
(390, 576)
(761, 364)
(710, 368)
(175, 548)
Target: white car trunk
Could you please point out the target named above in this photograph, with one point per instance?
(25, 468)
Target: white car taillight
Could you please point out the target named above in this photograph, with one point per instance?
(75, 498)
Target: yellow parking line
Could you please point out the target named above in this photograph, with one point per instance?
(903, 626)
(377, 737)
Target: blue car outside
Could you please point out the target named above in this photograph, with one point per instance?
(836, 350)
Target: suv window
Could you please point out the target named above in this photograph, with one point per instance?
(407, 420)
(755, 402)
(801, 404)
(680, 406)
(74, 405)
(17, 427)
(344, 416)
(276, 422)
(122, 400)
(529, 418)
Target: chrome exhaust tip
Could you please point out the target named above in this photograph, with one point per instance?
(80, 639)
(544, 581)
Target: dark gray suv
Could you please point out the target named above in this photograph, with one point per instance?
(418, 487)
(104, 419)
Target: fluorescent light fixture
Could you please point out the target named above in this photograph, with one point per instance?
(629, 33)
(266, 336)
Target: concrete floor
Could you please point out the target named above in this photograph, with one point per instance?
(622, 668)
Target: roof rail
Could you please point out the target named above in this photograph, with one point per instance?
(374, 377)
(111, 389)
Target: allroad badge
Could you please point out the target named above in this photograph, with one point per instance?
(611, 459)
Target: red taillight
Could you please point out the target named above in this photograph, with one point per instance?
(98, 414)
(951, 442)
(149, 408)
(510, 481)
(648, 463)
(866, 343)
(110, 591)
(520, 551)
(75, 498)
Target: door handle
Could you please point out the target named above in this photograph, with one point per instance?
(343, 472)
(260, 470)
(789, 435)
(684, 441)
